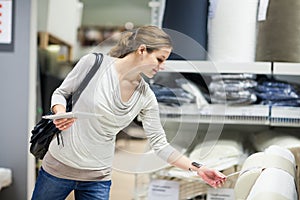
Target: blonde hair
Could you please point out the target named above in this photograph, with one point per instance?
(153, 37)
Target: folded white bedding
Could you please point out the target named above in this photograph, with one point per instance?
(221, 154)
(5, 177)
(264, 139)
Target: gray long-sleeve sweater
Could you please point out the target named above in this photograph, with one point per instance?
(89, 143)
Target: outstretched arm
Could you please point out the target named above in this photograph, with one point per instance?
(158, 142)
(211, 176)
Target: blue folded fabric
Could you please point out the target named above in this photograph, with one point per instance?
(172, 96)
(276, 91)
(277, 94)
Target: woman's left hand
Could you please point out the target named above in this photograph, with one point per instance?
(211, 176)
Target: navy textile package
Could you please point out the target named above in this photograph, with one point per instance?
(177, 17)
(171, 96)
(277, 93)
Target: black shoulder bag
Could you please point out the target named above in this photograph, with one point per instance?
(44, 130)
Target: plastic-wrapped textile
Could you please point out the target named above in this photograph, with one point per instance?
(283, 138)
(222, 154)
(238, 101)
(218, 77)
(172, 96)
(246, 94)
(231, 85)
(277, 94)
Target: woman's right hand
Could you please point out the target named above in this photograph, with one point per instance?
(63, 123)
(211, 176)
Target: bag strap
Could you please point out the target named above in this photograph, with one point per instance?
(75, 96)
(88, 77)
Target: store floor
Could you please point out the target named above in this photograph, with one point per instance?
(127, 186)
(124, 184)
(130, 186)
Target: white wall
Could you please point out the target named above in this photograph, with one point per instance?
(60, 18)
(116, 12)
(117, 15)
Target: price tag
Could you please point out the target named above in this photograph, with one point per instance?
(262, 10)
(212, 8)
(220, 194)
(163, 189)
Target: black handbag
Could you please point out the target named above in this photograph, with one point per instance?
(44, 130)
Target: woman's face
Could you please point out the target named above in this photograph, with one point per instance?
(154, 61)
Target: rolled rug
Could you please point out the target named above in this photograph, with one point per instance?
(273, 157)
(189, 19)
(245, 182)
(232, 30)
(275, 184)
(278, 35)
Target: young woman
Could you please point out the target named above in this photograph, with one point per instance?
(119, 93)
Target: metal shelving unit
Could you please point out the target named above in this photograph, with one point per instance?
(285, 116)
(215, 113)
(248, 114)
(284, 68)
(199, 66)
(46, 38)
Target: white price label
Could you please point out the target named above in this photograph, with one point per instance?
(163, 189)
(262, 10)
(5, 21)
(212, 8)
(220, 194)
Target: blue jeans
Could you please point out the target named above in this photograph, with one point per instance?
(53, 188)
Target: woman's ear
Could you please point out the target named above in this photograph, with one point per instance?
(142, 49)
